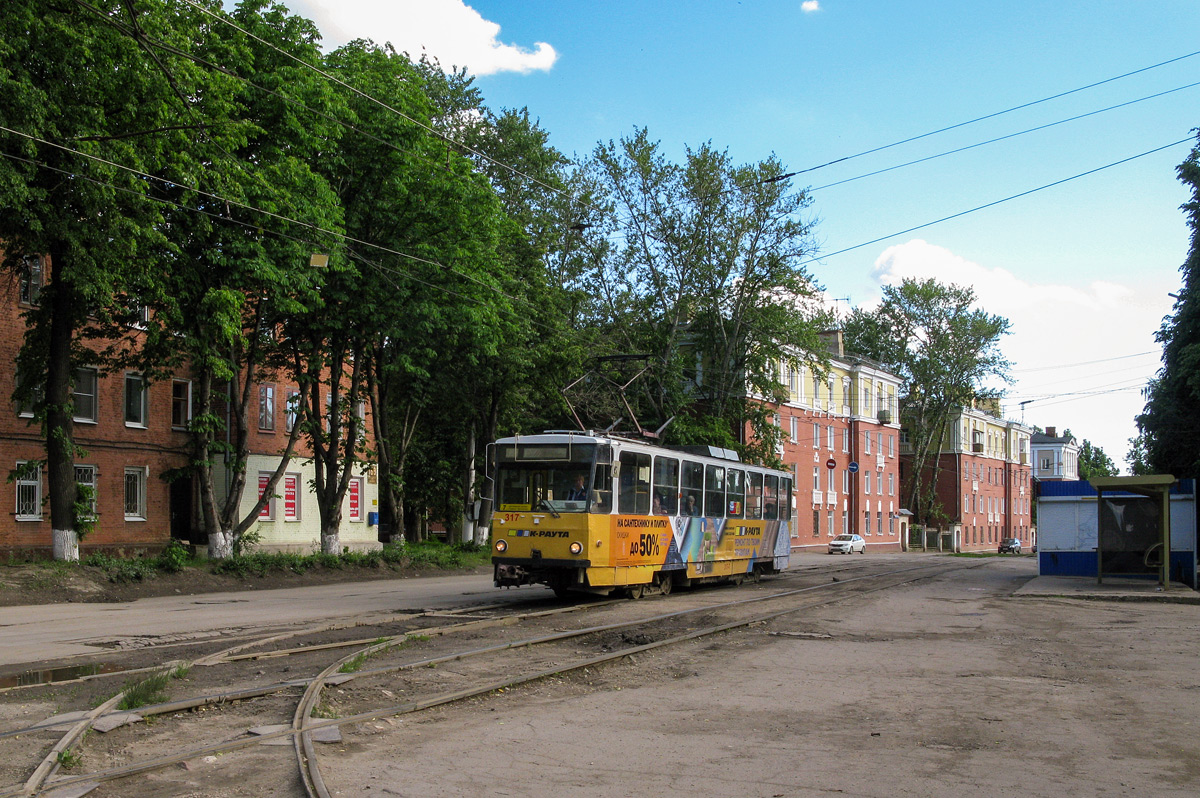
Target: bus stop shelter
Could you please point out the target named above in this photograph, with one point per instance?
(1133, 534)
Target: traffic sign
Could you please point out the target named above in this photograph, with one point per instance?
(831, 464)
(853, 467)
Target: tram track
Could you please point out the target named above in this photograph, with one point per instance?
(528, 668)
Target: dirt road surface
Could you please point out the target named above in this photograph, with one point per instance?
(946, 688)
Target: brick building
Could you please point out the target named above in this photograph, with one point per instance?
(131, 432)
(984, 484)
(847, 419)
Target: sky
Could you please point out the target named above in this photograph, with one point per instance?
(1083, 269)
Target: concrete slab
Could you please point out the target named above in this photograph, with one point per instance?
(1113, 588)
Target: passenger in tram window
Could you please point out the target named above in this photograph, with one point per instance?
(689, 506)
(659, 508)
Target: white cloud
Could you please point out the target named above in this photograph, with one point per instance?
(810, 6)
(1055, 328)
(450, 30)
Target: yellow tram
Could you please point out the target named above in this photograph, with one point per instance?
(592, 512)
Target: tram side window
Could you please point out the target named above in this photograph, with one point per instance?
(771, 497)
(754, 495)
(633, 497)
(666, 485)
(602, 487)
(692, 490)
(714, 492)
(785, 498)
(735, 493)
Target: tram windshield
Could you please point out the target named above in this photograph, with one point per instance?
(559, 477)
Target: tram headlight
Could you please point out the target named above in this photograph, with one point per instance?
(501, 546)
(576, 547)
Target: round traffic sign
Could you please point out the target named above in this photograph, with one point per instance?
(831, 464)
(853, 467)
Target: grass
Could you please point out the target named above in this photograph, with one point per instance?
(68, 759)
(176, 557)
(428, 554)
(152, 689)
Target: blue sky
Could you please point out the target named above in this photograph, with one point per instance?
(1083, 269)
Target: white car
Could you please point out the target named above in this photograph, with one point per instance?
(847, 544)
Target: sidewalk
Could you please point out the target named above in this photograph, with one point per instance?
(1113, 588)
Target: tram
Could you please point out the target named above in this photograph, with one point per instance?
(597, 513)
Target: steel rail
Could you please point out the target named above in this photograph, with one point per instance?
(501, 684)
(308, 727)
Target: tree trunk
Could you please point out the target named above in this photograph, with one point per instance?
(469, 529)
(60, 443)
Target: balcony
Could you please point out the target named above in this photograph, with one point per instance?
(884, 416)
(977, 448)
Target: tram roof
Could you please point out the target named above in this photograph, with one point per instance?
(592, 436)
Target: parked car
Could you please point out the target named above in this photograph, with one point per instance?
(1010, 546)
(847, 544)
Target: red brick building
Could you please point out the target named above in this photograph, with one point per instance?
(984, 482)
(132, 431)
(841, 439)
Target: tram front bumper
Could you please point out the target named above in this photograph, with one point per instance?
(511, 572)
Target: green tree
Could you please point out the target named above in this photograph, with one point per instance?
(235, 281)
(1139, 462)
(1169, 430)
(945, 349)
(1093, 462)
(88, 111)
(419, 309)
(696, 266)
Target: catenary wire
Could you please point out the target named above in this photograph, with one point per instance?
(988, 116)
(996, 202)
(1000, 138)
(1085, 363)
(276, 233)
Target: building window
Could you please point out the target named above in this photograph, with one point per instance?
(845, 521)
(845, 480)
(267, 513)
(816, 477)
(354, 494)
(266, 407)
(829, 434)
(35, 395)
(135, 494)
(29, 493)
(891, 484)
(291, 497)
(867, 483)
(816, 523)
(85, 478)
(795, 429)
(135, 400)
(866, 522)
(845, 440)
(867, 442)
(879, 484)
(816, 435)
(181, 403)
(31, 281)
(83, 395)
(292, 409)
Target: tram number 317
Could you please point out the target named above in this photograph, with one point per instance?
(644, 546)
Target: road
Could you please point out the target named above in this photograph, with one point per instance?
(30, 634)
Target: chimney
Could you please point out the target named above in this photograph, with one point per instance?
(1051, 432)
(833, 342)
